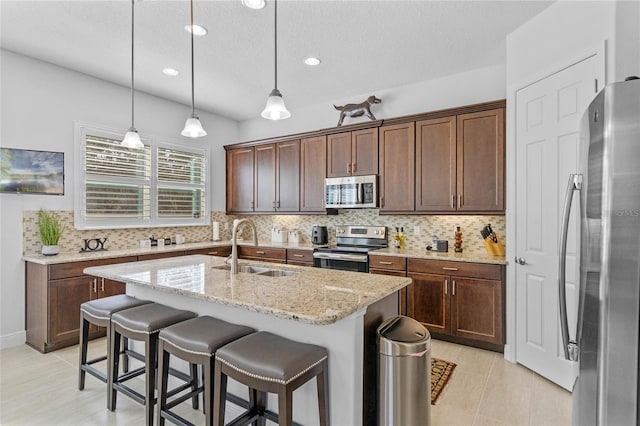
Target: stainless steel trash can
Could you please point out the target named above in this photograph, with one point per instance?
(404, 373)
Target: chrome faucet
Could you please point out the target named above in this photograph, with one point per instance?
(234, 241)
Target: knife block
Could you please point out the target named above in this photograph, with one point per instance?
(494, 249)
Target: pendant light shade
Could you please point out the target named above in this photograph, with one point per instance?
(275, 108)
(132, 138)
(193, 127)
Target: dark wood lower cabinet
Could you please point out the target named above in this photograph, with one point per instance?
(54, 294)
(461, 308)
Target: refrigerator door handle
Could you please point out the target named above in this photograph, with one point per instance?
(570, 347)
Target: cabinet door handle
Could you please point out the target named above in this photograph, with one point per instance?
(382, 262)
(95, 285)
(212, 253)
(102, 284)
(353, 168)
(381, 201)
(453, 201)
(453, 287)
(449, 269)
(298, 255)
(259, 252)
(278, 204)
(251, 205)
(446, 284)
(459, 200)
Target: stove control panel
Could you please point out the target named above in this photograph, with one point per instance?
(354, 231)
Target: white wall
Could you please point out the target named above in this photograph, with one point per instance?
(565, 32)
(39, 104)
(481, 85)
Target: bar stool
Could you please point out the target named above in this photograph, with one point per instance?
(143, 323)
(195, 341)
(98, 312)
(266, 362)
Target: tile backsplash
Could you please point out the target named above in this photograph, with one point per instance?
(443, 226)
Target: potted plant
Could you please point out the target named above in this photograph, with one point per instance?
(50, 231)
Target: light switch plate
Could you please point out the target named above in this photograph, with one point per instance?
(416, 230)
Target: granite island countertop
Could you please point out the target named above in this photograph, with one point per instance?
(108, 254)
(465, 256)
(312, 295)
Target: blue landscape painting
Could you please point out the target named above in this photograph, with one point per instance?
(24, 171)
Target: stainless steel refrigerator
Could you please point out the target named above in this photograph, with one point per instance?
(608, 187)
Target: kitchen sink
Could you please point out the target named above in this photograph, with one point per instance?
(247, 269)
(277, 273)
(258, 270)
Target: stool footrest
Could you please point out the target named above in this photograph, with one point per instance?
(176, 419)
(178, 389)
(94, 372)
(130, 374)
(137, 397)
(248, 417)
(93, 361)
(183, 398)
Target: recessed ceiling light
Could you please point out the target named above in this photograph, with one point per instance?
(172, 72)
(254, 4)
(311, 61)
(197, 29)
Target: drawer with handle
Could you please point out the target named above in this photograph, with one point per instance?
(267, 253)
(304, 256)
(387, 262)
(462, 269)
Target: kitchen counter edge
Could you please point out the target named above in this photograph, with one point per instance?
(474, 257)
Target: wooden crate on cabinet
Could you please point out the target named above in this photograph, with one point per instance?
(352, 153)
(391, 265)
(54, 294)
(458, 301)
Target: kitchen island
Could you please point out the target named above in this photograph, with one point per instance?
(335, 309)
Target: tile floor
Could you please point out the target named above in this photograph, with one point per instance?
(485, 389)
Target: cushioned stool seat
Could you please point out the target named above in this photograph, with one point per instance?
(99, 312)
(195, 341)
(267, 362)
(143, 323)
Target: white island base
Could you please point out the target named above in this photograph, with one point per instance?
(344, 340)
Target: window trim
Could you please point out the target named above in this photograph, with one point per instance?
(81, 130)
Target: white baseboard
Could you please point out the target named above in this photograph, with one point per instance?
(509, 355)
(13, 339)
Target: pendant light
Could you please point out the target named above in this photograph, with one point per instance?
(192, 127)
(275, 108)
(132, 138)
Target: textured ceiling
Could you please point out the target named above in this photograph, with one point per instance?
(364, 45)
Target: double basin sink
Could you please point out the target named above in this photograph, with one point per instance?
(258, 270)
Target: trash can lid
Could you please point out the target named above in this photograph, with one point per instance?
(403, 329)
(402, 335)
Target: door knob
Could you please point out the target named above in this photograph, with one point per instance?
(521, 260)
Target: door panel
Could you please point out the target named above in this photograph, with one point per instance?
(240, 180)
(548, 115)
(338, 154)
(429, 301)
(265, 184)
(313, 171)
(288, 176)
(397, 167)
(436, 164)
(65, 299)
(476, 309)
(364, 152)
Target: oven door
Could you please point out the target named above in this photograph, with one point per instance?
(342, 261)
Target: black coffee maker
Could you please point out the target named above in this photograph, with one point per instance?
(319, 235)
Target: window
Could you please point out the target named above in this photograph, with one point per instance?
(161, 184)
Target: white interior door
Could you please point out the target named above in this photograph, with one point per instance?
(548, 115)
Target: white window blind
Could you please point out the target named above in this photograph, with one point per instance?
(158, 185)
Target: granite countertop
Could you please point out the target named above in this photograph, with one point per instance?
(465, 256)
(107, 254)
(313, 295)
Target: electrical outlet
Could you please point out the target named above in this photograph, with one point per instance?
(226, 226)
(416, 230)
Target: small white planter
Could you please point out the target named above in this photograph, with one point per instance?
(50, 250)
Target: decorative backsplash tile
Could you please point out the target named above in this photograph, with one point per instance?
(443, 226)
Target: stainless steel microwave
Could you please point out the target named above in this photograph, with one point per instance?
(351, 192)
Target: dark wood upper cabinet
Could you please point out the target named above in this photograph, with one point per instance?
(265, 174)
(436, 165)
(397, 167)
(352, 153)
(288, 176)
(313, 171)
(480, 146)
(240, 179)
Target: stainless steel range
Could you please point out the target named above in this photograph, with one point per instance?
(352, 248)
